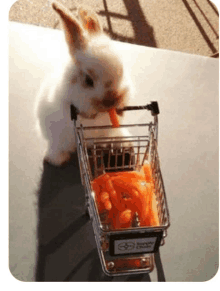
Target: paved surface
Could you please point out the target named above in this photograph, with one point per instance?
(182, 25)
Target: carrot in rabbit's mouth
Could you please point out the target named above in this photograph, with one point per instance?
(114, 117)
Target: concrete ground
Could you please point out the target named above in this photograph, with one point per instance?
(190, 26)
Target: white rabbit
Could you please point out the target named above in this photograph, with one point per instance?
(91, 77)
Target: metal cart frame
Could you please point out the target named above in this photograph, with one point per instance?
(104, 154)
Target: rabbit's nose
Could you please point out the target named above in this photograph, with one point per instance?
(110, 99)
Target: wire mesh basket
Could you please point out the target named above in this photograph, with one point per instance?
(124, 247)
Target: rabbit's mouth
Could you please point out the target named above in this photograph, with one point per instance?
(93, 115)
(100, 108)
(110, 100)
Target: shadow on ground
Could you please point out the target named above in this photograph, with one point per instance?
(62, 224)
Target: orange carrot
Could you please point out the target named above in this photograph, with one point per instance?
(154, 218)
(113, 117)
(125, 216)
(124, 193)
(104, 197)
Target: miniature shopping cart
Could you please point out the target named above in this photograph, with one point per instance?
(129, 250)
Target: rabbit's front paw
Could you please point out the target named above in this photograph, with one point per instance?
(58, 159)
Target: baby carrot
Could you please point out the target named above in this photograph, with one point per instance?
(104, 197)
(125, 216)
(113, 117)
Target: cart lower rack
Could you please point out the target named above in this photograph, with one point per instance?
(129, 226)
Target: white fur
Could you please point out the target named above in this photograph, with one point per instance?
(64, 87)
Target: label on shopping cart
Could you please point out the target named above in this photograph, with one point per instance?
(135, 243)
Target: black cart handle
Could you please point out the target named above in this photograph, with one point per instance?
(153, 107)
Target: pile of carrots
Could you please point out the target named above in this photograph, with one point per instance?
(122, 194)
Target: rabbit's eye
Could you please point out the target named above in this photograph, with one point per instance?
(89, 81)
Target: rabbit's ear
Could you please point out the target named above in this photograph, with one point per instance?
(90, 20)
(72, 28)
